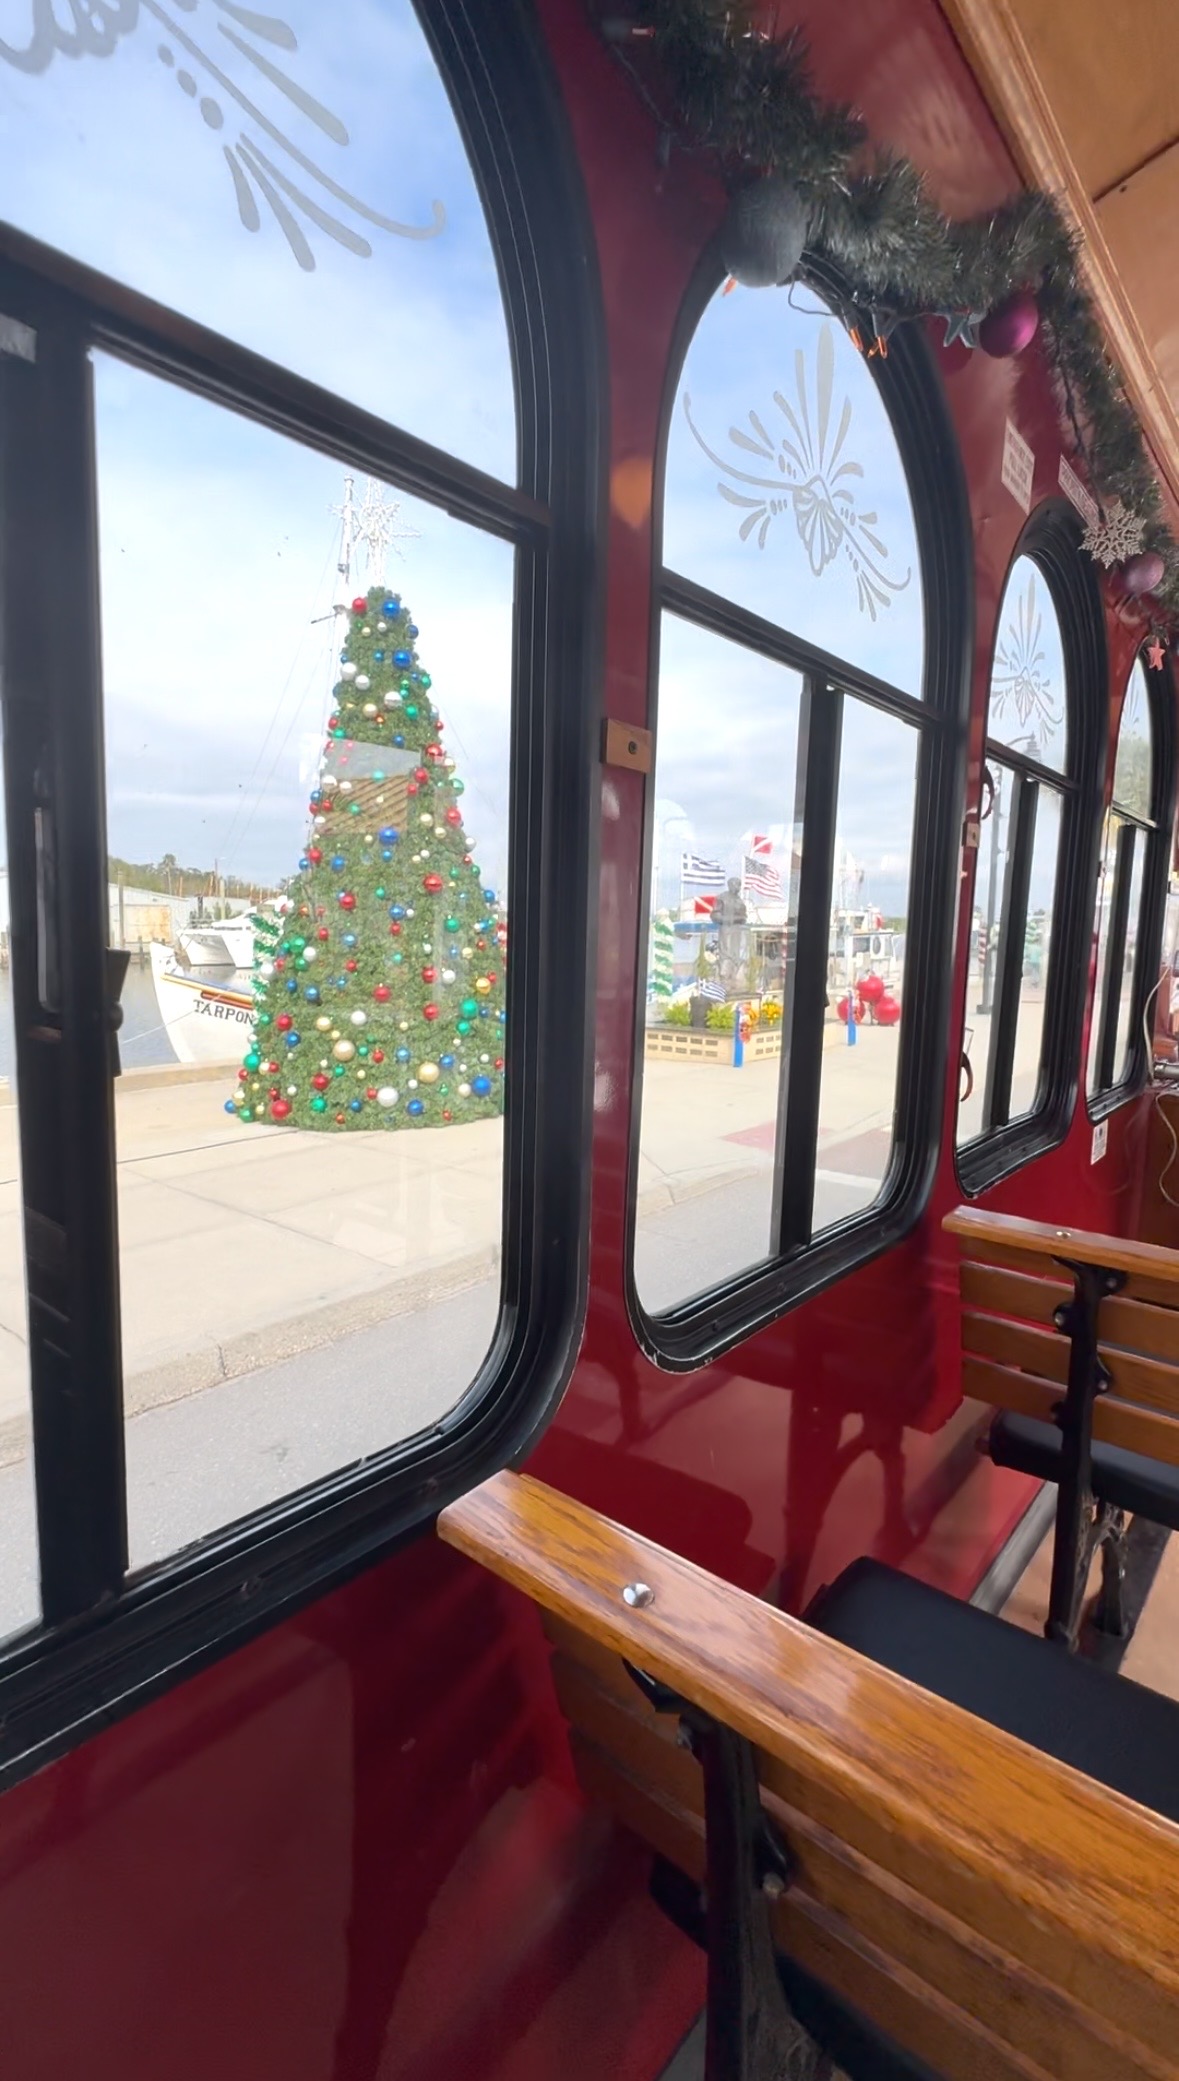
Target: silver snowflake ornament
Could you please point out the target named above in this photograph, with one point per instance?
(1115, 535)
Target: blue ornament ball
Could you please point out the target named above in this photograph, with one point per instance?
(386, 853)
(399, 739)
(311, 993)
(231, 1105)
(304, 864)
(415, 1107)
(388, 834)
(293, 1038)
(446, 1062)
(392, 605)
(396, 910)
(402, 657)
(489, 895)
(378, 657)
(413, 629)
(350, 939)
(317, 794)
(403, 1054)
(355, 1105)
(481, 1086)
(338, 862)
(292, 986)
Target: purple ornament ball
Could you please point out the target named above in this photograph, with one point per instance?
(1010, 327)
(1143, 573)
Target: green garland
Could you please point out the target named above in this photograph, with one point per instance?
(749, 99)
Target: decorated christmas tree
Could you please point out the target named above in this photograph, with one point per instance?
(379, 994)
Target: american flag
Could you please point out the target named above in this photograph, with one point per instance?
(706, 874)
(761, 880)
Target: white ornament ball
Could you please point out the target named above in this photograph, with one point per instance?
(343, 1051)
(392, 700)
(448, 975)
(345, 787)
(366, 630)
(381, 627)
(426, 819)
(464, 1091)
(386, 1096)
(348, 671)
(359, 1018)
(267, 970)
(311, 953)
(363, 682)
(467, 953)
(409, 910)
(485, 1058)
(320, 823)
(327, 780)
(292, 1091)
(412, 1084)
(370, 709)
(323, 1026)
(428, 1072)
(403, 1025)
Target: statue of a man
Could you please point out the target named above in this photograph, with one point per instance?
(730, 918)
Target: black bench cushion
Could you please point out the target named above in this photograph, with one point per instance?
(1128, 1480)
(1114, 1730)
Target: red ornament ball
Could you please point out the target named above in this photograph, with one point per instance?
(411, 787)
(395, 930)
(243, 1076)
(280, 961)
(323, 933)
(453, 815)
(1011, 326)
(351, 967)
(432, 883)
(279, 1109)
(347, 901)
(359, 606)
(1143, 573)
(381, 993)
(327, 805)
(378, 1054)
(447, 1114)
(284, 1021)
(420, 774)
(314, 855)
(339, 1119)
(371, 1091)
(272, 1069)
(434, 752)
(499, 1061)
(429, 1011)
(429, 975)
(320, 1081)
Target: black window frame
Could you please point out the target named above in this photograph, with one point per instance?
(1051, 538)
(109, 1640)
(1112, 1091)
(709, 1323)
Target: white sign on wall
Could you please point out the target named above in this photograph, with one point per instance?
(1019, 467)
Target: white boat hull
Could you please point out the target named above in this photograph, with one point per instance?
(206, 1020)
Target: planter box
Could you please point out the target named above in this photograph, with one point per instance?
(684, 1044)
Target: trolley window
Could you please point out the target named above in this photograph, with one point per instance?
(1036, 826)
(804, 688)
(1133, 866)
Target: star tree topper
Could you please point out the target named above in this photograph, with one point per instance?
(1115, 535)
(375, 526)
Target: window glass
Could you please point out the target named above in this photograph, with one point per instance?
(724, 810)
(1037, 952)
(1105, 890)
(869, 921)
(785, 490)
(986, 935)
(1028, 710)
(20, 1596)
(1133, 764)
(309, 1126)
(291, 179)
(1125, 1036)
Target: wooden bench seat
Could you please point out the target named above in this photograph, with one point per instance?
(944, 1898)
(1074, 1339)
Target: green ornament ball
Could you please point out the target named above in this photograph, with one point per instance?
(452, 924)
(319, 1105)
(252, 1060)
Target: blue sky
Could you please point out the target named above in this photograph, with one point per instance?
(218, 548)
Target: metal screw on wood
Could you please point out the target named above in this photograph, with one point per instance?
(773, 1885)
(638, 1595)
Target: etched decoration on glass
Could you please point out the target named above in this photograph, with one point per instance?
(1021, 679)
(816, 480)
(94, 29)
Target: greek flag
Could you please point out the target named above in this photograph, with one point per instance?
(713, 988)
(702, 874)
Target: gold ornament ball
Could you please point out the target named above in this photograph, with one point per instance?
(428, 1072)
(343, 1051)
(369, 709)
(426, 818)
(467, 953)
(482, 986)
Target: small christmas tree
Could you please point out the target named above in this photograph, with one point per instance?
(380, 994)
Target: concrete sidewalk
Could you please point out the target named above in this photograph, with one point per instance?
(241, 1246)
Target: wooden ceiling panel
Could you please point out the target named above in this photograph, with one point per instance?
(1110, 69)
(1140, 220)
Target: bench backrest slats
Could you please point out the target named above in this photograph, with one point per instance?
(996, 2014)
(1118, 1423)
(1073, 1885)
